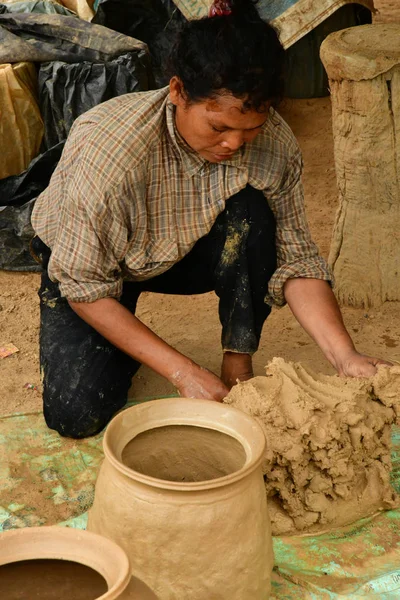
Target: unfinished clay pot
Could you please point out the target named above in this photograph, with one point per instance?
(363, 66)
(181, 490)
(56, 563)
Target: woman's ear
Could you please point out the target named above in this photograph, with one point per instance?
(177, 92)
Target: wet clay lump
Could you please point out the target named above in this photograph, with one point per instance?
(327, 461)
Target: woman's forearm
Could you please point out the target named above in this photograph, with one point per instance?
(316, 309)
(125, 331)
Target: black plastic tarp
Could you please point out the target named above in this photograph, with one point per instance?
(17, 197)
(42, 38)
(152, 21)
(68, 90)
(19, 189)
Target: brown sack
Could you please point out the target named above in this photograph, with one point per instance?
(21, 126)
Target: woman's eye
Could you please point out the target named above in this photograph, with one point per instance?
(216, 129)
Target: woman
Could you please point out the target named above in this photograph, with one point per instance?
(183, 190)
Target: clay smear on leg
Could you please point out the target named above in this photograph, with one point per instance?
(184, 453)
(328, 459)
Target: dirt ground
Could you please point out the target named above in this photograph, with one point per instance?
(388, 11)
(191, 323)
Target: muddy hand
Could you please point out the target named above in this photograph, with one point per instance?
(197, 382)
(360, 365)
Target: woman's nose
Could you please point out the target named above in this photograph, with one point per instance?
(233, 140)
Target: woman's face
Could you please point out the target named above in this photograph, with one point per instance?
(215, 128)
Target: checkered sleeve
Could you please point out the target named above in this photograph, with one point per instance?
(297, 254)
(92, 233)
(79, 261)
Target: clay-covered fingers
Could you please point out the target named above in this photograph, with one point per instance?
(360, 365)
(201, 383)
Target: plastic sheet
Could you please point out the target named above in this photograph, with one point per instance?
(153, 21)
(68, 90)
(17, 195)
(293, 18)
(42, 38)
(37, 6)
(21, 125)
(19, 189)
(47, 479)
(81, 8)
(141, 19)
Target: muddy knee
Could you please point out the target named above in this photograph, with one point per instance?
(79, 415)
(69, 424)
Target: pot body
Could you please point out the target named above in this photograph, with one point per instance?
(188, 540)
(63, 544)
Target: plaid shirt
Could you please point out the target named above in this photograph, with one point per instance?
(129, 198)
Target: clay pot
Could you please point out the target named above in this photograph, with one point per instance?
(65, 564)
(181, 490)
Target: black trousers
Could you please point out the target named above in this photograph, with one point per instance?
(86, 379)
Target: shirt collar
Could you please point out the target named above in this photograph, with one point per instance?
(191, 160)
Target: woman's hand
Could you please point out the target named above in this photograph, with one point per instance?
(196, 382)
(316, 309)
(113, 321)
(359, 365)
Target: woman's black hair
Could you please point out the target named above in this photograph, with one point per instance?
(238, 53)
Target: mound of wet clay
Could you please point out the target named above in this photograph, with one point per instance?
(328, 461)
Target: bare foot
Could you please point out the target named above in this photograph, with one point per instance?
(236, 366)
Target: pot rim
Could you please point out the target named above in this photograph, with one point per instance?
(184, 411)
(76, 545)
